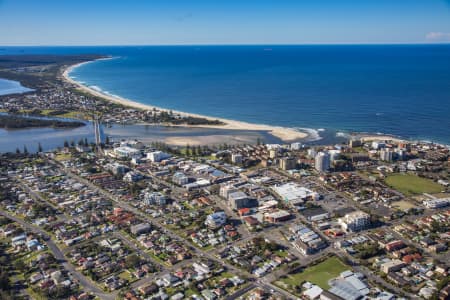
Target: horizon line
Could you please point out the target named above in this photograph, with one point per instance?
(226, 44)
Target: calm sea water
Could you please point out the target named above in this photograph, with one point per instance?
(12, 87)
(49, 138)
(402, 90)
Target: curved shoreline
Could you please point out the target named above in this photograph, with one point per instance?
(284, 133)
(16, 87)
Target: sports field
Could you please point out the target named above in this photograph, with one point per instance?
(409, 184)
(319, 274)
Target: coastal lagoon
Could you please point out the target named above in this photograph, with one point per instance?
(8, 87)
(179, 135)
(50, 138)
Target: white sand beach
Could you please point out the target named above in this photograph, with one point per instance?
(371, 137)
(283, 133)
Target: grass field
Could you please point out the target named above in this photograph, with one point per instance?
(411, 184)
(63, 156)
(127, 276)
(319, 274)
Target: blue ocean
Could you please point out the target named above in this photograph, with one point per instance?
(402, 90)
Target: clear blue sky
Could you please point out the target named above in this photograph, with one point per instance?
(154, 22)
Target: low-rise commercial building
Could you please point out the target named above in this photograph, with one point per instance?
(127, 152)
(392, 266)
(437, 203)
(180, 178)
(240, 200)
(277, 216)
(294, 193)
(140, 228)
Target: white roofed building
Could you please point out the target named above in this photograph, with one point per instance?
(294, 193)
(157, 156)
(355, 221)
(127, 152)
